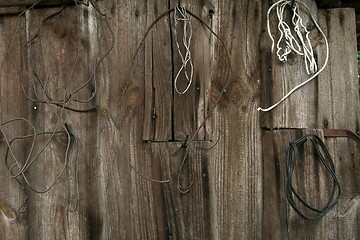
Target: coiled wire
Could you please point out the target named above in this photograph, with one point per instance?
(291, 158)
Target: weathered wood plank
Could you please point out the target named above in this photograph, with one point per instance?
(346, 155)
(185, 216)
(333, 96)
(338, 85)
(158, 85)
(13, 105)
(47, 210)
(127, 202)
(279, 219)
(226, 199)
(54, 55)
(235, 171)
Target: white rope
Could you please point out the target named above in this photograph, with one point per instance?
(302, 46)
(179, 9)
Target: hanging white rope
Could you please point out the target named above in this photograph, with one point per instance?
(183, 16)
(300, 44)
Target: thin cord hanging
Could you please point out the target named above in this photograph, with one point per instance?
(186, 40)
(302, 46)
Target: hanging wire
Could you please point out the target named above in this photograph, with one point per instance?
(22, 208)
(302, 46)
(69, 94)
(18, 169)
(180, 14)
(190, 141)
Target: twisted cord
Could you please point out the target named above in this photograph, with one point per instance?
(180, 10)
(303, 48)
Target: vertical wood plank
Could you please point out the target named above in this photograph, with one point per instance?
(235, 195)
(54, 56)
(13, 105)
(346, 155)
(330, 93)
(338, 86)
(185, 215)
(158, 84)
(235, 172)
(127, 201)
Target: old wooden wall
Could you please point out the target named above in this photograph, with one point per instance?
(238, 183)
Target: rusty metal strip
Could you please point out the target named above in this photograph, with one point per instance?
(341, 133)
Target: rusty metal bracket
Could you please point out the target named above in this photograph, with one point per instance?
(341, 133)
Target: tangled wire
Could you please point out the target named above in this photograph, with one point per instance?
(300, 44)
(18, 168)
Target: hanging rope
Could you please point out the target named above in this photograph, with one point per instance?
(180, 14)
(291, 158)
(300, 44)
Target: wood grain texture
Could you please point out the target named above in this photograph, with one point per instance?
(338, 94)
(53, 56)
(236, 191)
(12, 106)
(235, 173)
(279, 219)
(127, 201)
(158, 114)
(335, 86)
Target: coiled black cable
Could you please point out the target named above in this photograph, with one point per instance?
(291, 157)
